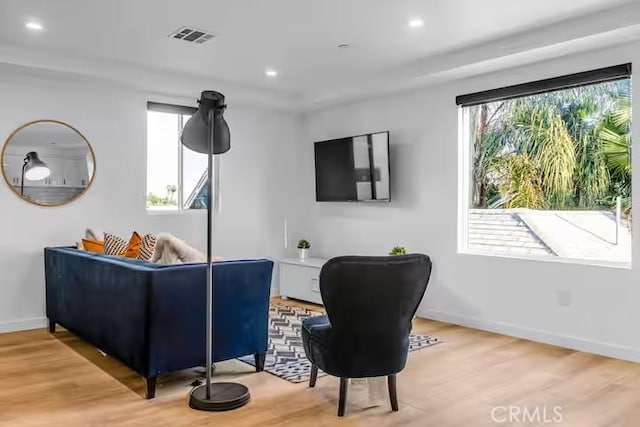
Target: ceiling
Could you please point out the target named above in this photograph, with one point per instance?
(298, 38)
(52, 136)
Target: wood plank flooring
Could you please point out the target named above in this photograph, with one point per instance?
(61, 381)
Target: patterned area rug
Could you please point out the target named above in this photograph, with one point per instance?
(285, 355)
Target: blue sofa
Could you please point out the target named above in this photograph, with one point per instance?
(152, 317)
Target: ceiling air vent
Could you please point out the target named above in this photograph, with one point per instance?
(192, 35)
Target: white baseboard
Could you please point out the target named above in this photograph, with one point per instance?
(22, 324)
(560, 340)
(567, 341)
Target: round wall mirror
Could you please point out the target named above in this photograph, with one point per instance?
(48, 163)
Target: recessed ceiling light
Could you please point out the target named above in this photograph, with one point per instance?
(270, 72)
(35, 26)
(416, 22)
(343, 46)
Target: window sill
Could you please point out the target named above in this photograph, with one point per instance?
(176, 212)
(562, 260)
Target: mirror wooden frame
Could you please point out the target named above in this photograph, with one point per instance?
(47, 205)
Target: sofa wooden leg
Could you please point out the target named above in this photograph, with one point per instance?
(343, 396)
(314, 376)
(393, 397)
(52, 326)
(151, 387)
(259, 359)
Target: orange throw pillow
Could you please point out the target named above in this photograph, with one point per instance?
(133, 247)
(93, 246)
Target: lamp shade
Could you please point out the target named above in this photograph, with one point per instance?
(35, 169)
(196, 134)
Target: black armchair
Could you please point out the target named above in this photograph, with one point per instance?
(370, 302)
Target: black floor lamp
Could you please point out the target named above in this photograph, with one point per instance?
(207, 132)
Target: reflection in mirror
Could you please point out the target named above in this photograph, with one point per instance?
(48, 163)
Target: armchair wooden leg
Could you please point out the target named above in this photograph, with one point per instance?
(314, 376)
(343, 396)
(393, 397)
(151, 388)
(259, 359)
(52, 326)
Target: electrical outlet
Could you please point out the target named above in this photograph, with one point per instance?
(564, 297)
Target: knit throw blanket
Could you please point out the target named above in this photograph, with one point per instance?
(171, 250)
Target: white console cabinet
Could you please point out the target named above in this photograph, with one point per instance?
(301, 279)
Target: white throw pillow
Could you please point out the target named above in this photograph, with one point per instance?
(94, 234)
(147, 247)
(114, 245)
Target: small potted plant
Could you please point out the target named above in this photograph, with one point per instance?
(303, 249)
(398, 250)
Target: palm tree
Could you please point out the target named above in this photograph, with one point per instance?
(615, 135)
(488, 144)
(547, 142)
(571, 146)
(171, 190)
(519, 183)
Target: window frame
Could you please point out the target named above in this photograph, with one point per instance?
(180, 111)
(465, 153)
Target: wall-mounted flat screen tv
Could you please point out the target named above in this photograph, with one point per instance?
(353, 169)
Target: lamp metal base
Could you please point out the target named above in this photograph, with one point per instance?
(224, 397)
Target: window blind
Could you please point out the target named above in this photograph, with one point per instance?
(601, 75)
(170, 108)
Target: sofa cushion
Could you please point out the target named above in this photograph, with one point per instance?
(147, 247)
(133, 247)
(94, 234)
(92, 246)
(114, 245)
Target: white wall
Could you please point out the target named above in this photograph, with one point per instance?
(512, 296)
(268, 176)
(254, 176)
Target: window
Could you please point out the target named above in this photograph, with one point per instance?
(176, 176)
(546, 169)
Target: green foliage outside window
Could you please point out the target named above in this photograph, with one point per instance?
(563, 150)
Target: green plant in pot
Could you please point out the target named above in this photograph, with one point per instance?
(398, 250)
(303, 248)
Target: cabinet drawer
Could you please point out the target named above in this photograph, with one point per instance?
(300, 282)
